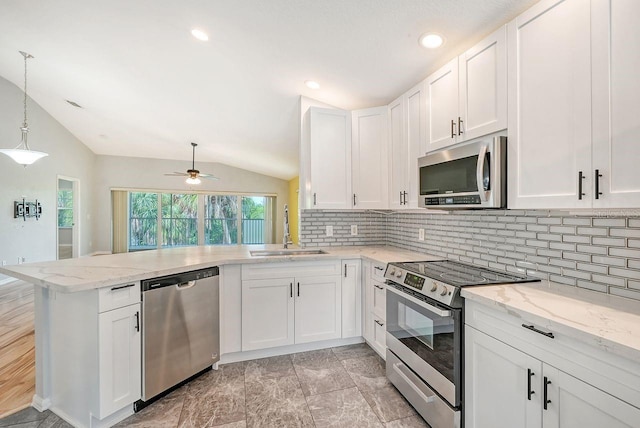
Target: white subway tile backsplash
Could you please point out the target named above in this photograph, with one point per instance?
(597, 253)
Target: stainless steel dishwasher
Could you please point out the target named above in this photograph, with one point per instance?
(180, 328)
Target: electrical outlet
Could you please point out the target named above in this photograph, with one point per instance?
(354, 229)
(421, 234)
(329, 231)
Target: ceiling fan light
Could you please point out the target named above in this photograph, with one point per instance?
(23, 156)
(193, 180)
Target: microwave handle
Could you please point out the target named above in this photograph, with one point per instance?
(479, 170)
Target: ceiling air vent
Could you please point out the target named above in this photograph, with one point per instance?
(73, 103)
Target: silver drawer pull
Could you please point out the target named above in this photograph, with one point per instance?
(378, 268)
(378, 287)
(381, 324)
(121, 287)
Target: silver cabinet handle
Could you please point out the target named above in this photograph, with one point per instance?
(378, 287)
(453, 131)
(460, 122)
(381, 324)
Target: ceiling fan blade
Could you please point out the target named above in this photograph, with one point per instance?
(208, 177)
(177, 174)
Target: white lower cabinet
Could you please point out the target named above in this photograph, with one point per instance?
(93, 357)
(518, 378)
(302, 303)
(351, 298)
(119, 344)
(267, 313)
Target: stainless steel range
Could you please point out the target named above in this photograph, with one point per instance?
(424, 333)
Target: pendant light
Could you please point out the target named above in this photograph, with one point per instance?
(22, 154)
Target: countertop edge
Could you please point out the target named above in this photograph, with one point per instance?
(599, 341)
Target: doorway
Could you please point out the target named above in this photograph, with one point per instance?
(68, 227)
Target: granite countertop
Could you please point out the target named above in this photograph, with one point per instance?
(88, 273)
(606, 322)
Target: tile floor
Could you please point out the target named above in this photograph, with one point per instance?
(338, 387)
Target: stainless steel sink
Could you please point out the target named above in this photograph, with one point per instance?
(266, 253)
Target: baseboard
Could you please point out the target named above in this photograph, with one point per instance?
(40, 404)
(234, 357)
(98, 253)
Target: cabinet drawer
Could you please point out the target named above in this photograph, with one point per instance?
(377, 271)
(118, 296)
(379, 336)
(379, 300)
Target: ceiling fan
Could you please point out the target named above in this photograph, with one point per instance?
(193, 175)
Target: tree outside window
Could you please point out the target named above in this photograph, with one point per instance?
(65, 208)
(179, 219)
(143, 220)
(221, 220)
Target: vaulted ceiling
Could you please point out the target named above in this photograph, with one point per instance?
(147, 87)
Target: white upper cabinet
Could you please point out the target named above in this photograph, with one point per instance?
(369, 158)
(549, 75)
(407, 131)
(442, 107)
(616, 106)
(483, 87)
(574, 116)
(330, 156)
(467, 98)
(397, 149)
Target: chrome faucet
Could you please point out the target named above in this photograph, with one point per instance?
(286, 239)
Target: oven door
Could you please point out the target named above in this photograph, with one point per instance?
(427, 339)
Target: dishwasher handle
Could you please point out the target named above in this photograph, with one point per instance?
(186, 285)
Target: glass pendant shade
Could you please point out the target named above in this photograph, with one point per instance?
(22, 154)
(193, 180)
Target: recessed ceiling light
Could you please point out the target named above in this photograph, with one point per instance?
(312, 84)
(199, 34)
(431, 40)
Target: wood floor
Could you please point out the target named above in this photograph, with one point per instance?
(17, 353)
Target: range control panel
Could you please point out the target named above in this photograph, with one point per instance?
(437, 290)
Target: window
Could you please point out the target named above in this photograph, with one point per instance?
(143, 221)
(253, 230)
(179, 219)
(221, 220)
(65, 208)
(159, 220)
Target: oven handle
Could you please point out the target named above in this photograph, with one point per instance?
(400, 372)
(479, 170)
(424, 305)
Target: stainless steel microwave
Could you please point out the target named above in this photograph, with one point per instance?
(473, 175)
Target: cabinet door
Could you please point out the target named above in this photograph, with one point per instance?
(616, 110)
(398, 154)
(483, 87)
(442, 107)
(318, 309)
(351, 299)
(415, 128)
(120, 356)
(549, 82)
(370, 167)
(496, 384)
(576, 404)
(330, 158)
(267, 313)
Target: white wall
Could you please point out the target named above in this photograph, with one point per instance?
(36, 240)
(144, 173)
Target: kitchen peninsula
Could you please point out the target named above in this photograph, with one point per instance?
(87, 310)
